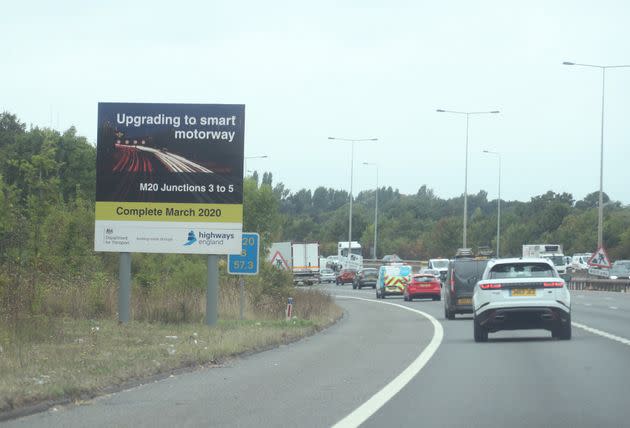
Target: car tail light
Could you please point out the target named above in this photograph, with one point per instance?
(453, 281)
(490, 286)
(555, 284)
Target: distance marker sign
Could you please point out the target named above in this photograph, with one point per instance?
(246, 263)
(169, 178)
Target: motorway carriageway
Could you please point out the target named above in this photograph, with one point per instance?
(385, 365)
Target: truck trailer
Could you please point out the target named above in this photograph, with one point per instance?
(553, 252)
(301, 258)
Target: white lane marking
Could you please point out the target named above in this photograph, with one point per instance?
(613, 307)
(602, 333)
(378, 400)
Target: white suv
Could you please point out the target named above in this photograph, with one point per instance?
(521, 293)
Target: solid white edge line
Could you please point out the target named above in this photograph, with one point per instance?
(378, 400)
(602, 333)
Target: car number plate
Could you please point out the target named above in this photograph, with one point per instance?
(466, 301)
(523, 292)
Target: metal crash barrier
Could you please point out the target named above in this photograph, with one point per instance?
(616, 285)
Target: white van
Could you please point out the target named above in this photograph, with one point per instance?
(579, 261)
(441, 265)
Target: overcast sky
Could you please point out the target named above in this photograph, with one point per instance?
(350, 69)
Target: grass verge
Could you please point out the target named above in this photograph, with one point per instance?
(48, 358)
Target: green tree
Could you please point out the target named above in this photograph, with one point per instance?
(261, 212)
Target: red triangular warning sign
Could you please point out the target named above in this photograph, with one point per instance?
(599, 259)
(278, 261)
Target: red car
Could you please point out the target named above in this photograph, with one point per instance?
(423, 286)
(346, 276)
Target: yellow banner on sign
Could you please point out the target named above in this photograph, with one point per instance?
(175, 212)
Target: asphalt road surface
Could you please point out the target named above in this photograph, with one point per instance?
(384, 365)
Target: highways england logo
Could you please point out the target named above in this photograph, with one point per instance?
(191, 238)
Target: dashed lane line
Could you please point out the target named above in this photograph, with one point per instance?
(371, 406)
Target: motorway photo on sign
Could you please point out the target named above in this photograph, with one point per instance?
(169, 178)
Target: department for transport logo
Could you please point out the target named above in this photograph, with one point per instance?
(191, 238)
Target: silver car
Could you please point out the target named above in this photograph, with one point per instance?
(327, 275)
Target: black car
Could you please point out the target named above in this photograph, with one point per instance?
(463, 274)
(365, 278)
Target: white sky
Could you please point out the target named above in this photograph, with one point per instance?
(350, 69)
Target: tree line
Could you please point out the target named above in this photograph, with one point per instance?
(47, 189)
(423, 225)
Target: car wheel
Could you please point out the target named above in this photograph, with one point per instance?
(405, 298)
(448, 314)
(480, 333)
(410, 298)
(564, 331)
(437, 298)
(354, 286)
(360, 286)
(374, 287)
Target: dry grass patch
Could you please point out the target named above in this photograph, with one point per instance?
(46, 357)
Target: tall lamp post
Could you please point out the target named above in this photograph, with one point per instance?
(351, 141)
(375, 206)
(467, 113)
(600, 216)
(251, 157)
(498, 202)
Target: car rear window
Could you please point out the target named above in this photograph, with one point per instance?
(440, 263)
(465, 269)
(424, 278)
(521, 270)
(621, 267)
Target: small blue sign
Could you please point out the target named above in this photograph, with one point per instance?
(246, 263)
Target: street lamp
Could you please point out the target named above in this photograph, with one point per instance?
(467, 113)
(352, 141)
(498, 201)
(251, 157)
(600, 217)
(375, 206)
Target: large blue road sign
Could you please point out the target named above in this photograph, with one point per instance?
(246, 263)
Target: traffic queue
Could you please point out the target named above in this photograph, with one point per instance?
(521, 293)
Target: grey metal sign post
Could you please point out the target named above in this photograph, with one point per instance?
(212, 292)
(124, 290)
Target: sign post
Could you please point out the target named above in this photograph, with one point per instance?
(124, 290)
(212, 291)
(245, 263)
